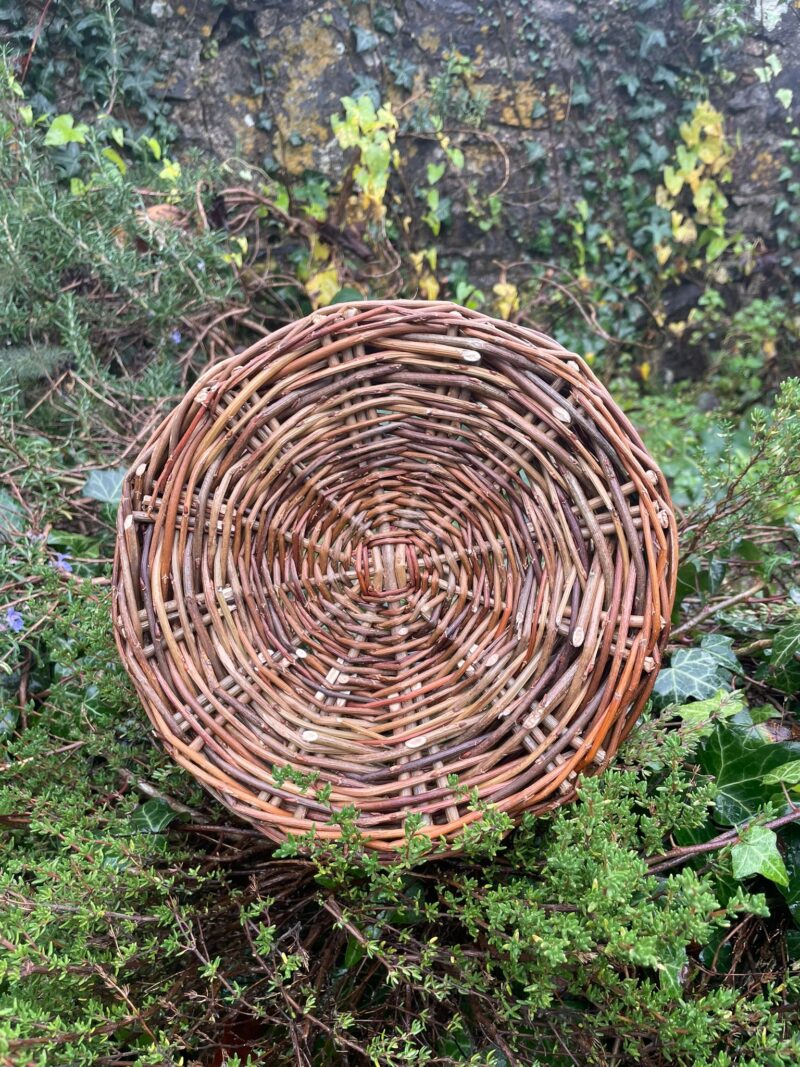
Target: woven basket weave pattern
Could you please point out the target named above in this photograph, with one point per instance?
(389, 544)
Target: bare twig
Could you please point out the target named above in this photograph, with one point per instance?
(677, 856)
(712, 609)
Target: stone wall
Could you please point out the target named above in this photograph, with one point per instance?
(566, 114)
(261, 80)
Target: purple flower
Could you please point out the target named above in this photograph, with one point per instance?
(14, 620)
(176, 337)
(61, 562)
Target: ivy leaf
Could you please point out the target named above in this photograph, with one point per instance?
(784, 96)
(456, 157)
(9, 717)
(716, 246)
(693, 672)
(642, 162)
(323, 286)
(105, 486)
(383, 20)
(152, 817)
(651, 38)
(672, 968)
(403, 71)
(648, 110)
(507, 299)
(629, 82)
(434, 172)
(786, 645)
(702, 713)
(788, 774)
(662, 75)
(757, 853)
(354, 953)
(739, 760)
(580, 94)
(365, 39)
(171, 171)
(62, 130)
(113, 155)
(790, 839)
(457, 1046)
(783, 667)
(720, 647)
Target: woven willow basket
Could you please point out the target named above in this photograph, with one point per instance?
(403, 547)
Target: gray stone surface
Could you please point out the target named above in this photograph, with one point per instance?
(260, 80)
(562, 88)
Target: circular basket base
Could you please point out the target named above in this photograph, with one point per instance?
(396, 556)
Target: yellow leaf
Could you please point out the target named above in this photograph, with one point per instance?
(171, 171)
(687, 159)
(426, 255)
(428, 286)
(320, 252)
(768, 348)
(663, 199)
(705, 135)
(507, 299)
(693, 178)
(116, 159)
(677, 328)
(663, 252)
(673, 181)
(323, 286)
(712, 152)
(683, 230)
(702, 195)
(644, 370)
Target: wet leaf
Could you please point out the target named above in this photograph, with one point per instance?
(786, 646)
(702, 713)
(720, 647)
(152, 817)
(739, 760)
(105, 486)
(757, 853)
(692, 673)
(788, 774)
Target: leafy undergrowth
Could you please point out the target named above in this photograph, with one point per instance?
(656, 921)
